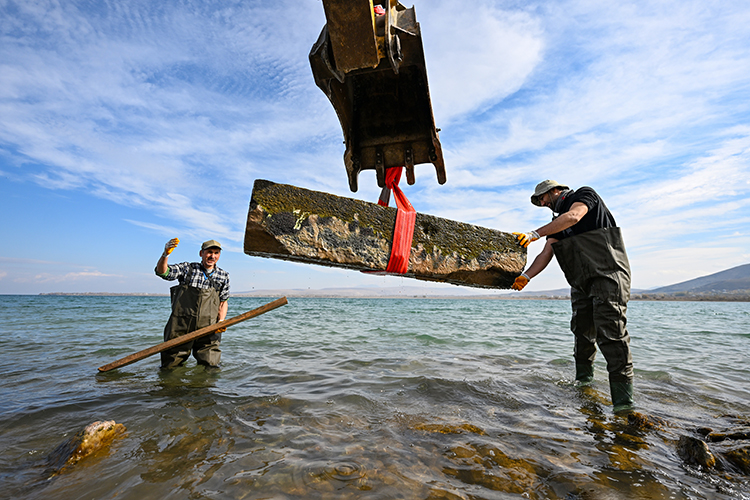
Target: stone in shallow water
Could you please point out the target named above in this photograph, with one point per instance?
(646, 422)
(695, 452)
(740, 458)
(94, 437)
(291, 223)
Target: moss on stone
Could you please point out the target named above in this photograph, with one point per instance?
(445, 236)
(301, 225)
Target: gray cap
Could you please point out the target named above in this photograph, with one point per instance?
(542, 188)
(210, 244)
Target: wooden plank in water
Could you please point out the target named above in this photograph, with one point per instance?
(132, 358)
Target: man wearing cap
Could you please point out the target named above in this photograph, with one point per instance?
(588, 245)
(199, 300)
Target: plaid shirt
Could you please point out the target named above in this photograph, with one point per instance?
(193, 274)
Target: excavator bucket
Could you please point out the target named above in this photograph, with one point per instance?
(370, 64)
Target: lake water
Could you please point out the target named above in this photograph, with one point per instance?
(366, 399)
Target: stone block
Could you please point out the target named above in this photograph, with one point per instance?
(291, 223)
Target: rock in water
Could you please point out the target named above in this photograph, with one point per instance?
(96, 436)
(740, 458)
(695, 452)
(645, 422)
(291, 223)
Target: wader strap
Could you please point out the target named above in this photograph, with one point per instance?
(209, 277)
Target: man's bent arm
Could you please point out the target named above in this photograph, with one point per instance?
(564, 221)
(541, 261)
(162, 267)
(223, 308)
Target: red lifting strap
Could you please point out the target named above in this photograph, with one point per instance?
(403, 232)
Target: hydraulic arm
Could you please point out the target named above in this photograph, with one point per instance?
(369, 61)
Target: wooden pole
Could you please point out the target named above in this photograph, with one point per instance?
(192, 335)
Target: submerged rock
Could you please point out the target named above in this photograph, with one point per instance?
(94, 437)
(645, 422)
(449, 429)
(731, 445)
(486, 465)
(731, 435)
(740, 458)
(695, 451)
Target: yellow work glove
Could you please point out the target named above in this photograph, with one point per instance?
(221, 330)
(520, 282)
(525, 238)
(170, 245)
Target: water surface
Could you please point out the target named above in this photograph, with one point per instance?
(366, 399)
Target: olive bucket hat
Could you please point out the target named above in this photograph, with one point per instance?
(542, 188)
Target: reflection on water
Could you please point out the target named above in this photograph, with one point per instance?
(331, 400)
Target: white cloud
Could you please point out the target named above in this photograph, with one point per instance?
(476, 56)
(176, 110)
(629, 80)
(149, 110)
(69, 277)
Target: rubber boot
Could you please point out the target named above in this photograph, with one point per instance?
(622, 396)
(584, 374)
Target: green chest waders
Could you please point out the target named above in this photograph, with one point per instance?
(192, 308)
(596, 266)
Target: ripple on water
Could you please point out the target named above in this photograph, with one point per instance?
(369, 399)
(339, 471)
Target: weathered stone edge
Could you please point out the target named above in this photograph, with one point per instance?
(505, 257)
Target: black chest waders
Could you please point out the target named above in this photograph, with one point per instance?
(192, 308)
(596, 266)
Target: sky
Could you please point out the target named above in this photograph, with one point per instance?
(125, 124)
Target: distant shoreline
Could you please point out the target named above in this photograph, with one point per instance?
(645, 297)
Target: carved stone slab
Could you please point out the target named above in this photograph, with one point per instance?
(291, 223)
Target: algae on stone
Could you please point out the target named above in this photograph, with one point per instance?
(291, 223)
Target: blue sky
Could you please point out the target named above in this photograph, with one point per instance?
(124, 124)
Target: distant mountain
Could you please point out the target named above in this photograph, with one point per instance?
(724, 282)
(405, 292)
(736, 278)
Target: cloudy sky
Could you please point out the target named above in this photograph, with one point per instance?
(123, 124)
